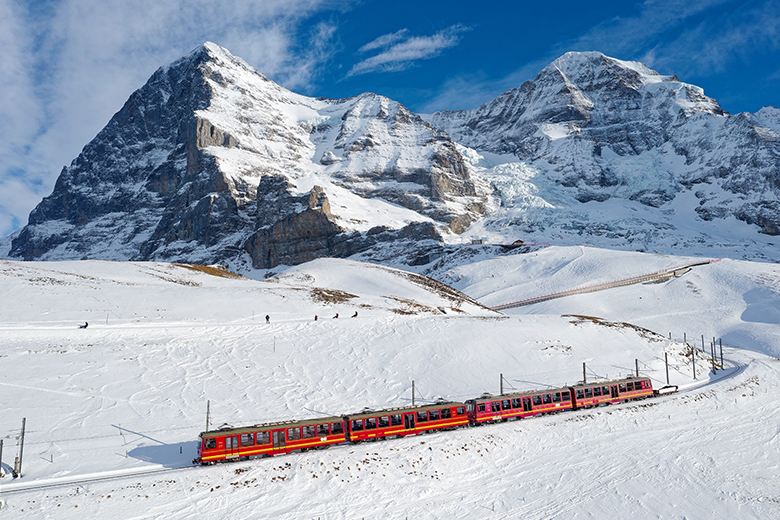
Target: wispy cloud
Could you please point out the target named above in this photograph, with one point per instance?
(402, 52)
(68, 65)
(384, 41)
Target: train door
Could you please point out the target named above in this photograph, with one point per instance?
(409, 421)
(231, 447)
(527, 404)
(278, 440)
(613, 390)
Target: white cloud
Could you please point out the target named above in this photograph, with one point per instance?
(384, 41)
(400, 56)
(68, 65)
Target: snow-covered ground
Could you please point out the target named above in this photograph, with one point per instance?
(113, 411)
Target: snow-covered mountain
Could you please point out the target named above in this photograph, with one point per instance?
(212, 162)
(619, 155)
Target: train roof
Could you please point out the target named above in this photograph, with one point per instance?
(528, 393)
(630, 379)
(515, 395)
(403, 409)
(222, 432)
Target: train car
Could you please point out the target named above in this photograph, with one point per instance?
(608, 392)
(488, 408)
(266, 440)
(400, 422)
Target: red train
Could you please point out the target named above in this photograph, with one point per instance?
(266, 440)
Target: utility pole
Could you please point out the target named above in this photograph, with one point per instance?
(584, 377)
(18, 461)
(721, 352)
(712, 354)
(666, 360)
(636, 361)
(208, 411)
(1, 458)
(412, 393)
(693, 360)
(502, 384)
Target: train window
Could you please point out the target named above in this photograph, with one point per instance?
(481, 407)
(395, 420)
(336, 428)
(639, 385)
(547, 398)
(537, 400)
(516, 403)
(580, 395)
(357, 425)
(211, 444)
(422, 416)
(230, 442)
(566, 396)
(322, 430)
(588, 392)
(433, 415)
(557, 397)
(247, 439)
(371, 423)
(495, 406)
(460, 410)
(597, 391)
(630, 387)
(622, 387)
(384, 421)
(293, 434)
(446, 413)
(505, 404)
(309, 431)
(263, 438)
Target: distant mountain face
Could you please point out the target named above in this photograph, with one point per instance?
(593, 138)
(212, 162)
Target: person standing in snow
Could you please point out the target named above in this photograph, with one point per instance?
(336, 316)
(355, 315)
(267, 319)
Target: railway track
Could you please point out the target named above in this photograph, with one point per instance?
(645, 278)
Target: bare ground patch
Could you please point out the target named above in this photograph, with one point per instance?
(645, 333)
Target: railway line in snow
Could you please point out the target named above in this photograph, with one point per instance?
(657, 276)
(115, 475)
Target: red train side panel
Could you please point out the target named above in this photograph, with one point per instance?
(608, 392)
(265, 440)
(517, 405)
(405, 421)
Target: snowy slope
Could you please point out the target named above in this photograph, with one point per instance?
(129, 396)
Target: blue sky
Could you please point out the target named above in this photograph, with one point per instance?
(69, 65)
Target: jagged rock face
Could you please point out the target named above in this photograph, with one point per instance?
(203, 164)
(595, 128)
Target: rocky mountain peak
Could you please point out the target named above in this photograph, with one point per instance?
(210, 161)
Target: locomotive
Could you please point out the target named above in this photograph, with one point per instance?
(267, 440)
